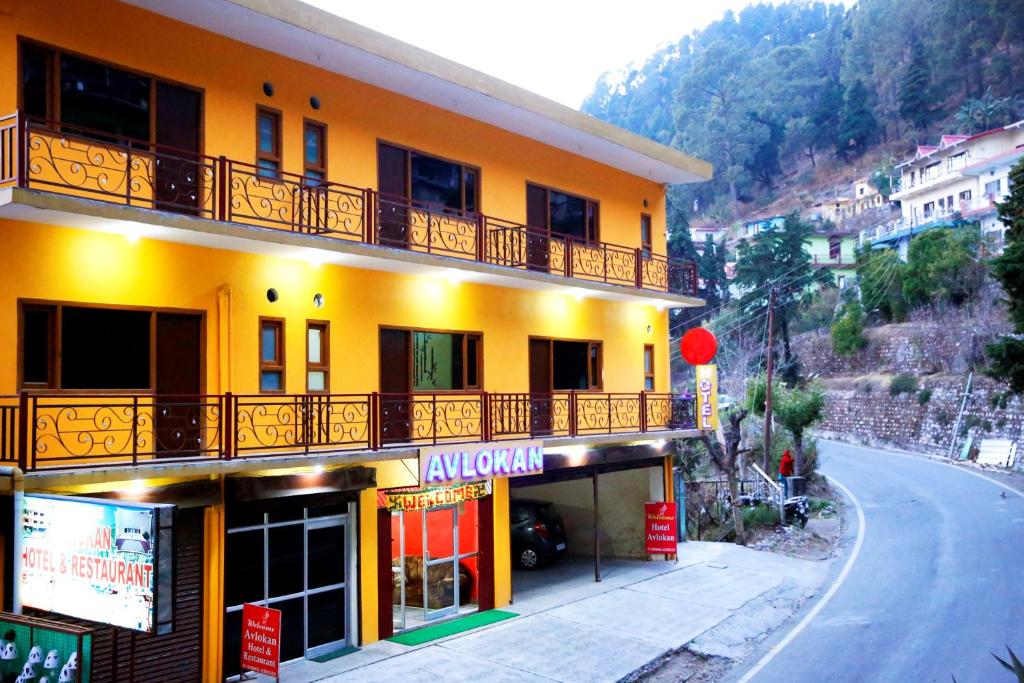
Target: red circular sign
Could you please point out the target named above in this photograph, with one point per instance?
(698, 346)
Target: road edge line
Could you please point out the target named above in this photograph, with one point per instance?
(820, 605)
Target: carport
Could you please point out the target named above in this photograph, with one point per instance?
(599, 493)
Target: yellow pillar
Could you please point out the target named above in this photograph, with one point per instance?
(502, 544)
(368, 565)
(213, 594)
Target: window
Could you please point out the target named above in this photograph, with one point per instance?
(314, 150)
(648, 367)
(949, 203)
(929, 209)
(957, 161)
(574, 365)
(834, 248)
(942, 204)
(645, 234)
(841, 281)
(965, 197)
(428, 180)
(444, 361)
(77, 347)
(993, 188)
(561, 213)
(318, 355)
(268, 142)
(36, 81)
(272, 355)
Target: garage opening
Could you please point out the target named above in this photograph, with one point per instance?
(574, 526)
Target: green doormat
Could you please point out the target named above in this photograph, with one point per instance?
(334, 655)
(448, 628)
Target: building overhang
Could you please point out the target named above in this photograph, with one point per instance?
(143, 223)
(316, 37)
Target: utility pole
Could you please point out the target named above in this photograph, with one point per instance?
(766, 458)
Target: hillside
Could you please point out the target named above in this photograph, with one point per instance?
(803, 96)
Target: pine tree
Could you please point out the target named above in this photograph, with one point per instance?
(857, 125)
(915, 98)
(1007, 354)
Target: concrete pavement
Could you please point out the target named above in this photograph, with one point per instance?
(571, 628)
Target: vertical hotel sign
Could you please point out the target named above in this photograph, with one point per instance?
(707, 397)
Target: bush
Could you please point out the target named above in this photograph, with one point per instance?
(817, 310)
(924, 396)
(760, 515)
(943, 418)
(902, 384)
(848, 330)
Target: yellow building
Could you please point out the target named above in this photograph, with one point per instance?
(260, 264)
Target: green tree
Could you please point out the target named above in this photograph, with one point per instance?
(857, 125)
(1007, 354)
(979, 114)
(916, 98)
(943, 265)
(848, 330)
(795, 408)
(880, 280)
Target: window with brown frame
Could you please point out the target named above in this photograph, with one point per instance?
(428, 180)
(574, 365)
(272, 355)
(648, 367)
(314, 150)
(433, 360)
(562, 214)
(83, 347)
(645, 235)
(268, 142)
(318, 356)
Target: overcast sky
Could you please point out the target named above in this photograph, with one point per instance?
(557, 48)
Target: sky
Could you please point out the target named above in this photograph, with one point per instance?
(556, 48)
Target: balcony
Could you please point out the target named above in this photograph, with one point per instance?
(53, 432)
(60, 159)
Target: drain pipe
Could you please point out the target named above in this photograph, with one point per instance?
(17, 478)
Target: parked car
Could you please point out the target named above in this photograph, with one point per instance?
(538, 535)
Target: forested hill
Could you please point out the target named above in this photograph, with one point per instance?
(776, 88)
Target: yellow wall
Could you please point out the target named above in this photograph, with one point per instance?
(47, 262)
(232, 74)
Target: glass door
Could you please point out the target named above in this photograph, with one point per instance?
(326, 584)
(398, 597)
(441, 562)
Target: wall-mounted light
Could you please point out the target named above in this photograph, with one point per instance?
(649, 329)
(646, 203)
(272, 295)
(268, 88)
(314, 102)
(318, 300)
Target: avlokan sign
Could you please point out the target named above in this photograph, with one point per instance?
(459, 463)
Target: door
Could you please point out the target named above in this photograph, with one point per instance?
(178, 183)
(538, 235)
(398, 577)
(395, 386)
(441, 562)
(541, 397)
(393, 203)
(178, 410)
(326, 584)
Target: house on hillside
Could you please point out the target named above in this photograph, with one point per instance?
(959, 180)
(755, 226)
(839, 209)
(835, 251)
(699, 233)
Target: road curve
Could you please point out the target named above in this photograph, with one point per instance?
(937, 586)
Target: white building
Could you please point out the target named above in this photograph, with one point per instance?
(961, 178)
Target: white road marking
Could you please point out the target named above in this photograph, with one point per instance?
(861, 524)
(921, 457)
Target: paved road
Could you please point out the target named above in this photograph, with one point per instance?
(938, 583)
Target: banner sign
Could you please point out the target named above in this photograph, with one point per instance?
(460, 463)
(660, 528)
(93, 559)
(261, 639)
(411, 500)
(707, 397)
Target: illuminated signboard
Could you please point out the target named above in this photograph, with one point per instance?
(98, 560)
(424, 499)
(461, 463)
(707, 397)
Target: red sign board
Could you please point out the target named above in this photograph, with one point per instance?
(660, 528)
(698, 346)
(261, 639)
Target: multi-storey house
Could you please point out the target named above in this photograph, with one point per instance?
(305, 298)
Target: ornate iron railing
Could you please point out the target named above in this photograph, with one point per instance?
(50, 156)
(43, 431)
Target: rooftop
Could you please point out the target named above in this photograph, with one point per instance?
(326, 41)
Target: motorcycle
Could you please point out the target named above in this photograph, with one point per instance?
(797, 510)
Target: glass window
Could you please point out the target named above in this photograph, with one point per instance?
(104, 99)
(314, 150)
(245, 583)
(268, 143)
(561, 213)
(436, 182)
(645, 234)
(470, 180)
(36, 72)
(104, 349)
(992, 188)
(37, 345)
(317, 354)
(568, 215)
(569, 365)
(472, 359)
(285, 549)
(436, 361)
(648, 368)
(271, 355)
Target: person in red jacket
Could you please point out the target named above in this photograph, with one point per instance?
(785, 471)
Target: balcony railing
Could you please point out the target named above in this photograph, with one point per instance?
(69, 160)
(62, 431)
